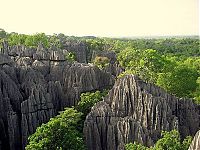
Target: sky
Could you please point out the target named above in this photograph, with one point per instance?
(105, 18)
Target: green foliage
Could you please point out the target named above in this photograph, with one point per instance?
(181, 81)
(70, 57)
(169, 141)
(54, 41)
(129, 58)
(135, 146)
(16, 39)
(150, 64)
(145, 63)
(60, 132)
(101, 62)
(126, 72)
(174, 74)
(33, 40)
(186, 143)
(3, 33)
(89, 99)
(95, 44)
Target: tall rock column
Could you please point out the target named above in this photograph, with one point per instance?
(137, 111)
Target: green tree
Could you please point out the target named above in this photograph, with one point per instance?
(101, 62)
(144, 63)
(129, 58)
(59, 133)
(70, 57)
(89, 99)
(135, 146)
(151, 63)
(169, 141)
(36, 39)
(181, 81)
(3, 33)
(54, 41)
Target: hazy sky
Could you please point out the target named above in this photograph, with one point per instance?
(101, 17)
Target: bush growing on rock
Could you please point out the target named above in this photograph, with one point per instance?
(169, 141)
(70, 57)
(60, 133)
(101, 62)
(89, 99)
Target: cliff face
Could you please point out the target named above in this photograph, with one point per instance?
(195, 145)
(37, 83)
(79, 48)
(137, 111)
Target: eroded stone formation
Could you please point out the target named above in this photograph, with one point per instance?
(195, 145)
(37, 83)
(137, 111)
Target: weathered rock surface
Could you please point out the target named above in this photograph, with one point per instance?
(114, 67)
(35, 84)
(137, 111)
(77, 47)
(195, 145)
(5, 59)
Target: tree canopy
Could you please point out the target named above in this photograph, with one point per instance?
(60, 133)
(169, 141)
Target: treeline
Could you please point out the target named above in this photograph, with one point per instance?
(173, 46)
(177, 75)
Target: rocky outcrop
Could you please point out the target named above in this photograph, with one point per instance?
(113, 67)
(5, 59)
(137, 111)
(195, 145)
(79, 48)
(35, 84)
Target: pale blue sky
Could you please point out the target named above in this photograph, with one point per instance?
(101, 17)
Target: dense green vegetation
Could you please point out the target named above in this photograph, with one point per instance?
(169, 141)
(64, 132)
(101, 62)
(176, 75)
(60, 133)
(89, 99)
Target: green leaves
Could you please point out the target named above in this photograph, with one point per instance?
(169, 141)
(135, 146)
(181, 81)
(89, 99)
(70, 57)
(145, 63)
(60, 132)
(33, 40)
(101, 62)
(175, 75)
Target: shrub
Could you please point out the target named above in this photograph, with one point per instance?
(60, 133)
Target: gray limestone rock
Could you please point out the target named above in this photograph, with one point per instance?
(78, 48)
(35, 85)
(195, 145)
(5, 59)
(137, 111)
